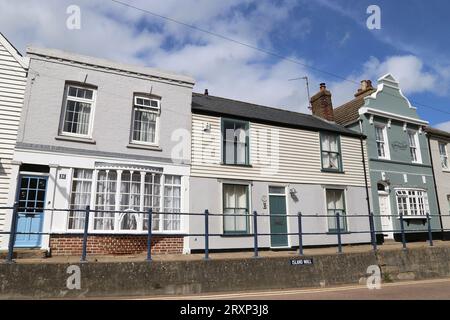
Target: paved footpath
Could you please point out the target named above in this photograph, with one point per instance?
(438, 289)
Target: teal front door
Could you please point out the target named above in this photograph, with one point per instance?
(278, 220)
(31, 197)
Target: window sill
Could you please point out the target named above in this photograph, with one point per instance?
(237, 235)
(333, 171)
(334, 233)
(237, 165)
(75, 139)
(143, 146)
(413, 218)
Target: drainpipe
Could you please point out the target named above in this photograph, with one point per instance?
(435, 185)
(365, 169)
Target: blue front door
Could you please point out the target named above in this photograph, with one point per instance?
(31, 197)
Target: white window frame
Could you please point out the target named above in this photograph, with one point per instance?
(119, 213)
(344, 191)
(443, 157)
(92, 102)
(418, 194)
(387, 154)
(156, 110)
(417, 145)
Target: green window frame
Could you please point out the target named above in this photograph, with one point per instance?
(330, 153)
(235, 142)
(335, 202)
(235, 201)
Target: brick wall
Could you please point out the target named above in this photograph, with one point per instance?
(114, 244)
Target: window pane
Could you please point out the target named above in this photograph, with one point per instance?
(235, 202)
(80, 197)
(144, 127)
(234, 145)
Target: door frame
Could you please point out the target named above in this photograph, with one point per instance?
(25, 174)
(287, 210)
(386, 235)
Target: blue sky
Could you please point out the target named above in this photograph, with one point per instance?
(327, 35)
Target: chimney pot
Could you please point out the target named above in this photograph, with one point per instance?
(323, 86)
(206, 92)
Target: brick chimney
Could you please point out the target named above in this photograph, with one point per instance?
(366, 85)
(321, 104)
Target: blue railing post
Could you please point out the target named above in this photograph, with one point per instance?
(338, 224)
(402, 229)
(255, 233)
(373, 236)
(85, 234)
(206, 234)
(12, 233)
(300, 234)
(430, 234)
(149, 235)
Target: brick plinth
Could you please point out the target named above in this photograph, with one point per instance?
(67, 245)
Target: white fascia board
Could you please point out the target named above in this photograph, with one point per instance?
(23, 61)
(392, 116)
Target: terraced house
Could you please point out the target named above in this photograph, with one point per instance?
(401, 172)
(248, 157)
(13, 77)
(107, 135)
(439, 142)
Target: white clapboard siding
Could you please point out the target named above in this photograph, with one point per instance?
(12, 90)
(295, 159)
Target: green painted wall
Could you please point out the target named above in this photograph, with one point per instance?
(391, 100)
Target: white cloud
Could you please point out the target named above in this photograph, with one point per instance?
(112, 31)
(443, 126)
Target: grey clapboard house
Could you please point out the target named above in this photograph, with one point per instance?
(248, 157)
(104, 134)
(13, 77)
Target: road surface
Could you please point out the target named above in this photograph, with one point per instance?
(438, 289)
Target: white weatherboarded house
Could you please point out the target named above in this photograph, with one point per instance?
(13, 78)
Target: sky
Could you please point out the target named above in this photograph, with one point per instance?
(325, 40)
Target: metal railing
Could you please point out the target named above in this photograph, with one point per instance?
(301, 233)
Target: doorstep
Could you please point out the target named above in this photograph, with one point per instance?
(25, 253)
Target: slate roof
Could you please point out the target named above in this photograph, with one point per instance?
(207, 104)
(349, 112)
(437, 132)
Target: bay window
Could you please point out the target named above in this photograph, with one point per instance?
(145, 120)
(78, 110)
(412, 202)
(235, 144)
(336, 204)
(443, 154)
(235, 208)
(331, 154)
(122, 199)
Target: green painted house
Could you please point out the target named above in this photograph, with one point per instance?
(401, 176)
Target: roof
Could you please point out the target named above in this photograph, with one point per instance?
(349, 112)
(437, 132)
(206, 104)
(92, 61)
(23, 61)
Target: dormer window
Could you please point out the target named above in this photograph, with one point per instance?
(146, 113)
